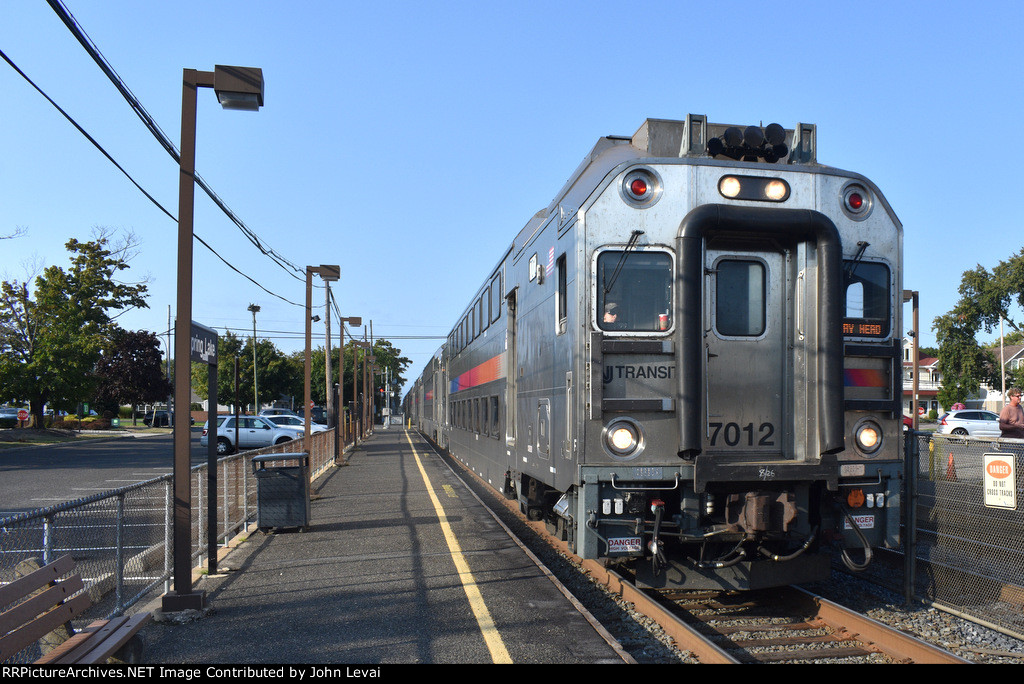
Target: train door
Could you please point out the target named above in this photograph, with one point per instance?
(441, 403)
(747, 357)
(512, 369)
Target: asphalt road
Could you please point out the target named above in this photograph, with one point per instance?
(40, 476)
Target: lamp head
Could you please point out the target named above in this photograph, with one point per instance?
(238, 87)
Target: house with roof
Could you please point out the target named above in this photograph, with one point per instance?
(929, 381)
(991, 397)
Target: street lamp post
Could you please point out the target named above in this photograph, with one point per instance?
(356, 321)
(912, 296)
(255, 389)
(357, 427)
(236, 88)
(329, 274)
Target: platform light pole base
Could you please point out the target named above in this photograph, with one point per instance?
(174, 602)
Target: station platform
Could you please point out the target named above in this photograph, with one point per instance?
(401, 564)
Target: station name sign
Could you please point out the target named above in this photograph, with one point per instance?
(203, 345)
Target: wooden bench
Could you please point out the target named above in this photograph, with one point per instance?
(40, 605)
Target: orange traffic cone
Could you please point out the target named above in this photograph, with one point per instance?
(951, 469)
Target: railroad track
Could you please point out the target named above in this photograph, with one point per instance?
(787, 625)
(784, 625)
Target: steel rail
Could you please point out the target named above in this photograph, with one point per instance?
(892, 642)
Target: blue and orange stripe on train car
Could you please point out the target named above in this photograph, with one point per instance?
(488, 371)
(865, 377)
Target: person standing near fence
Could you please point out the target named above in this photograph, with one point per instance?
(1011, 418)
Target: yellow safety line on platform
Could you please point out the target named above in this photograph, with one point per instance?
(499, 654)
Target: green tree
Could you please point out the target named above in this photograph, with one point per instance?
(962, 363)
(130, 371)
(986, 298)
(275, 373)
(387, 356)
(229, 346)
(50, 341)
(388, 359)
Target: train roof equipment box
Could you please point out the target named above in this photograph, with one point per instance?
(282, 491)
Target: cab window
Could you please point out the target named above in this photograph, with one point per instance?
(866, 289)
(634, 291)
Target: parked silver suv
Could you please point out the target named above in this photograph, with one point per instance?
(254, 432)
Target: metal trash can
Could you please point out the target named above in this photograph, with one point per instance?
(282, 491)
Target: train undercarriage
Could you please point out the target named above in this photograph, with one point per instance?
(730, 535)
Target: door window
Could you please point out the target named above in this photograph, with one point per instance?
(740, 301)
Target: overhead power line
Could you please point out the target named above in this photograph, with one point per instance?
(120, 168)
(86, 134)
(150, 123)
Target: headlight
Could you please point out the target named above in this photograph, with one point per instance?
(623, 438)
(867, 436)
(753, 188)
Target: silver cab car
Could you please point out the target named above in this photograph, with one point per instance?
(970, 423)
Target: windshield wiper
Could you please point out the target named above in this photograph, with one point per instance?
(633, 239)
(852, 264)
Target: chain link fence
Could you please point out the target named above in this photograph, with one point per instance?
(963, 537)
(121, 540)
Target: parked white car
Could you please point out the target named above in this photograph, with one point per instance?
(295, 421)
(254, 432)
(268, 412)
(970, 423)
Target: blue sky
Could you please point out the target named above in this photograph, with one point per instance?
(393, 131)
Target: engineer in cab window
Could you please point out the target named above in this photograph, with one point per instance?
(611, 312)
(612, 319)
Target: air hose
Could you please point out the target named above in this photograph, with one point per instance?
(852, 565)
(781, 559)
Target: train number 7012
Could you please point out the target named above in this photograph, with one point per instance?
(734, 434)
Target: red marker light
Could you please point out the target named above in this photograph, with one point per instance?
(856, 202)
(641, 188)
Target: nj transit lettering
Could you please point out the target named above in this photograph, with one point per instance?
(644, 371)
